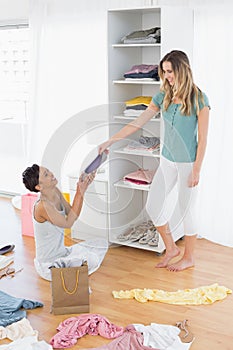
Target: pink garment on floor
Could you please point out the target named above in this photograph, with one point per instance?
(76, 327)
(129, 340)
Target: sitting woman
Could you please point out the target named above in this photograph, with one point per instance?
(51, 215)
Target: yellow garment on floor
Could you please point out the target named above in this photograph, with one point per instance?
(197, 296)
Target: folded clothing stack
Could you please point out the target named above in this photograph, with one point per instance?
(135, 106)
(140, 177)
(147, 36)
(145, 144)
(143, 71)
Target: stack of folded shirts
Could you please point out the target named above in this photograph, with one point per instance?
(136, 105)
(147, 36)
(143, 71)
(140, 177)
(145, 144)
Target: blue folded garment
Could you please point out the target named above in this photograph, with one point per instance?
(95, 164)
(10, 308)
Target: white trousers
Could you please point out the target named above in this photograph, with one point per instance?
(92, 250)
(161, 205)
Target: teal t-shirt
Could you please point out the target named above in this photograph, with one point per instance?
(180, 131)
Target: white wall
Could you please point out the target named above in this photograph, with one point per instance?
(13, 9)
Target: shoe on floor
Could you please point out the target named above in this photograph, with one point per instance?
(6, 249)
(147, 237)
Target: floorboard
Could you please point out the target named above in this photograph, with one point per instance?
(127, 268)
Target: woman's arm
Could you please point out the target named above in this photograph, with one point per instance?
(131, 128)
(203, 123)
(46, 211)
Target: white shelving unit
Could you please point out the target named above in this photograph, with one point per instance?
(126, 201)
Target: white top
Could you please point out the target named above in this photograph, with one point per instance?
(50, 249)
(49, 241)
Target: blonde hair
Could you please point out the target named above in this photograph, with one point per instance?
(184, 88)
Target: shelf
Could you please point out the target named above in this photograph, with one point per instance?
(136, 10)
(129, 185)
(136, 81)
(157, 249)
(137, 45)
(138, 153)
(123, 117)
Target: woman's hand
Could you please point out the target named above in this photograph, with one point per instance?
(194, 178)
(84, 181)
(104, 147)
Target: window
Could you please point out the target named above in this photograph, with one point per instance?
(14, 97)
(14, 73)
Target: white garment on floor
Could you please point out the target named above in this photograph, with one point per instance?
(162, 337)
(27, 343)
(17, 330)
(6, 260)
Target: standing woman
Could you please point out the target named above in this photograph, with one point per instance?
(185, 110)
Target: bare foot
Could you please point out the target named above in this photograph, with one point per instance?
(181, 265)
(168, 256)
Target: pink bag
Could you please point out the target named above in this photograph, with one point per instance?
(27, 204)
(140, 177)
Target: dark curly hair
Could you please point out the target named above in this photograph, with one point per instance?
(31, 177)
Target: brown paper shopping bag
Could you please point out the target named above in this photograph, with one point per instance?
(70, 290)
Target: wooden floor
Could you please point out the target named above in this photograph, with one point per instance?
(127, 268)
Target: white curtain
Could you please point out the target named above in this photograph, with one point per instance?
(213, 57)
(39, 71)
(69, 66)
(69, 45)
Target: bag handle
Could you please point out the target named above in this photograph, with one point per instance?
(64, 286)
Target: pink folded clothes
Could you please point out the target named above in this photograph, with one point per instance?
(140, 177)
(142, 68)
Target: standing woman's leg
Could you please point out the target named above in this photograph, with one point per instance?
(171, 248)
(187, 203)
(157, 207)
